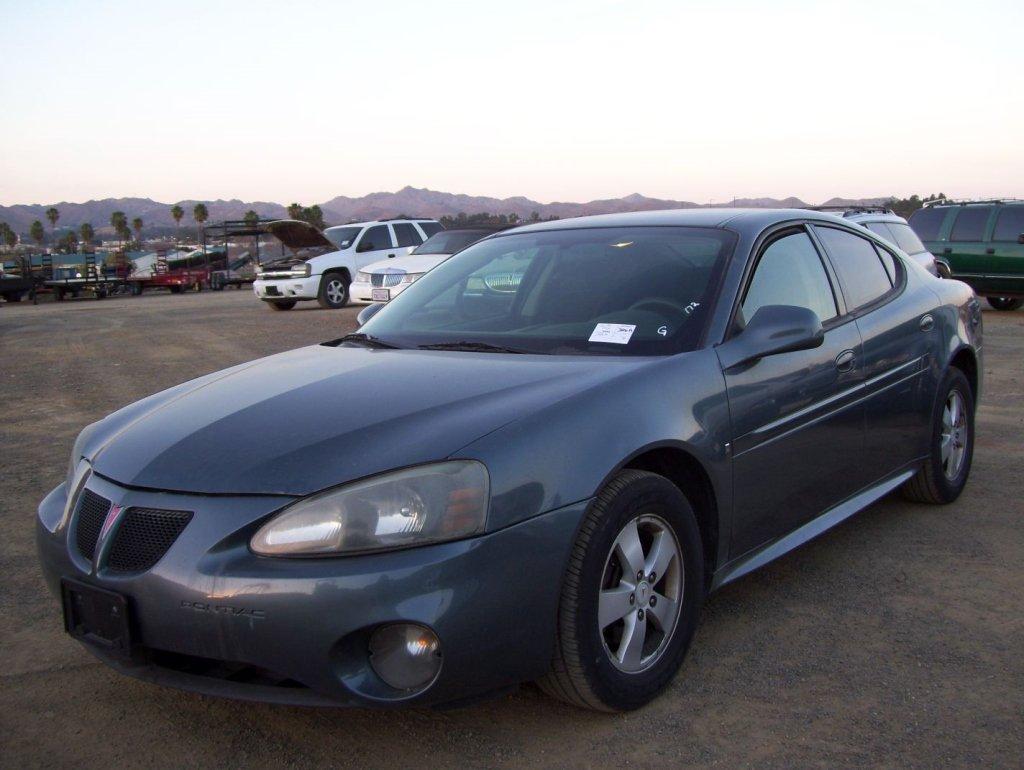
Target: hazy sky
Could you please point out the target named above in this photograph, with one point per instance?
(553, 100)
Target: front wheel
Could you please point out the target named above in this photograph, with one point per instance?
(944, 474)
(333, 292)
(631, 596)
(1006, 303)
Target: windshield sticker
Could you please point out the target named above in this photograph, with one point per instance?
(618, 334)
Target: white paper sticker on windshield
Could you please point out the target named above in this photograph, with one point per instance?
(617, 333)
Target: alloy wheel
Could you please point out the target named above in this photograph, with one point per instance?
(953, 443)
(335, 291)
(641, 593)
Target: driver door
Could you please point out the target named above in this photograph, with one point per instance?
(798, 428)
(375, 245)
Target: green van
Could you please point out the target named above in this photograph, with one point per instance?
(980, 243)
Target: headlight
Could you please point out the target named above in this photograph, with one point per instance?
(302, 271)
(362, 277)
(416, 506)
(410, 277)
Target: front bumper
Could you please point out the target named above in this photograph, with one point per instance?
(287, 288)
(210, 609)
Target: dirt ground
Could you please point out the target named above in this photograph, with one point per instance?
(896, 639)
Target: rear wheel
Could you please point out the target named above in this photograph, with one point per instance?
(285, 304)
(944, 474)
(631, 596)
(333, 292)
(1006, 303)
(176, 289)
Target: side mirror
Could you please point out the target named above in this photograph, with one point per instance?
(1020, 238)
(364, 246)
(369, 312)
(774, 329)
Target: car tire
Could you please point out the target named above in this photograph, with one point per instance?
(586, 671)
(938, 482)
(333, 293)
(285, 304)
(1006, 303)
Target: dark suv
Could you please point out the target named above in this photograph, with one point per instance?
(980, 243)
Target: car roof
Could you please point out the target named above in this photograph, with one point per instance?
(862, 218)
(381, 222)
(735, 218)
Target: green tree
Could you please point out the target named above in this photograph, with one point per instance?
(200, 213)
(535, 216)
(37, 232)
(137, 227)
(68, 244)
(86, 233)
(53, 215)
(294, 211)
(8, 237)
(177, 212)
(251, 218)
(119, 221)
(314, 216)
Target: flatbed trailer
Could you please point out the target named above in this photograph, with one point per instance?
(176, 281)
(73, 281)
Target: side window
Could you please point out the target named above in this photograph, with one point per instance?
(407, 235)
(790, 273)
(375, 238)
(906, 238)
(927, 223)
(860, 268)
(429, 228)
(970, 223)
(881, 229)
(1010, 224)
(888, 262)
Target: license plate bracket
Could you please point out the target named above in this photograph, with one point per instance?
(97, 616)
(380, 295)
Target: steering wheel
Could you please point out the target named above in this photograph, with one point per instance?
(660, 306)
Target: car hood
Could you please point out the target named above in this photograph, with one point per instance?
(410, 264)
(305, 420)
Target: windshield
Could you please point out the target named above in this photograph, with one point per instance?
(621, 291)
(450, 241)
(342, 237)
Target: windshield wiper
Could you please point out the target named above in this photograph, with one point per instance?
(367, 340)
(469, 345)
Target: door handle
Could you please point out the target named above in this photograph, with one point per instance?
(926, 324)
(845, 361)
(948, 250)
(391, 256)
(990, 251)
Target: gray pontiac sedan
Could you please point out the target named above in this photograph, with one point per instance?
(534, 464)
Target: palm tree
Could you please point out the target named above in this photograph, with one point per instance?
(137, 227)
(37, 232)
(119, 221)
(9, 236)
(177, 212)
(201, 214)
(87, 234)
(53, 215)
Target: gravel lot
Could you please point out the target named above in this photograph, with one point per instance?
(896, 639)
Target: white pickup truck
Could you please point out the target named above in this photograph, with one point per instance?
(326, 262)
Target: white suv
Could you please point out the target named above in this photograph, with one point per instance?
(325, 263)
(890, 227)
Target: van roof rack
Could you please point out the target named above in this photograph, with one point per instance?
(854, 209)
(970, 201)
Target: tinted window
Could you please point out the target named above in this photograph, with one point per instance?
(342, 237)
(906, 238)
(882, 230)
(927, 223)
(407, 235)
(1010, 224)
(888, 262)
(376, 238)
(450, 241)
(970, 223)
(860, 270)
(429, 228)
(790, 273)
(620, 291)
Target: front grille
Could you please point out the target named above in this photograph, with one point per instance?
(385, 279)
(143, 537)
(92, 511)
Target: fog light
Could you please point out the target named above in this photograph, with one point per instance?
(405, 656)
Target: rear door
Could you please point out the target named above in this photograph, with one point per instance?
(965, 250)
(899, 335)
(1007, 250)
(798, 424)
(407, 235)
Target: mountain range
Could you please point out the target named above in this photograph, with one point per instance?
(409, 201)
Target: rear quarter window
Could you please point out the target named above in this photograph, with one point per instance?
(429, 228)
(906, 238)
(864, 277)
(1009, 224)
(927, 223)
(969, 224)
